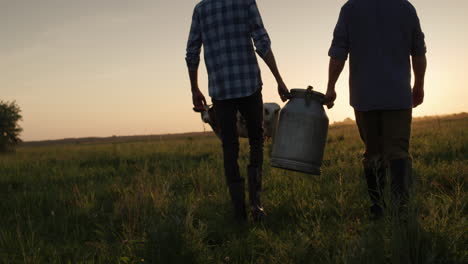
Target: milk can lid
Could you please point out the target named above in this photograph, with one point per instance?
(307, 93)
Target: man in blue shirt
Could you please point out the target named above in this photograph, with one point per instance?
(226, 29)
(380, 36)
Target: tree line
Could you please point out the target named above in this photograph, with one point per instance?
(10, 130)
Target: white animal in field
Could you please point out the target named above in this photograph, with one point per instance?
(208, 117)
(270, 121)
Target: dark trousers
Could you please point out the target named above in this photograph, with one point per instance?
(386, 135)
(251, 108)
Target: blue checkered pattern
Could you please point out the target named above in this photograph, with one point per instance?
(226, 29)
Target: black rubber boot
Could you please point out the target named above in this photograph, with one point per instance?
(400, 171)
(237, 192)
(375, 177)
(255, 189)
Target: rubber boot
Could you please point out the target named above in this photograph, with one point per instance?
(400, 171)
(375, 177)
(255, 189)
(237, 192)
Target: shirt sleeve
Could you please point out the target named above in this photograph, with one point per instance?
(258, 32)
(418, 44)
(340, 44)
(194, 43)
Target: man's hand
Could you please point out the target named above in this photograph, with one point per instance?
(335, 68)
(270, 61)
(418, 95)
(199, 101)
(419, 67)
(330, 98)
(283, 91)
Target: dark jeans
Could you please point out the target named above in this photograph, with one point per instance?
(385, 133)
(251, 108)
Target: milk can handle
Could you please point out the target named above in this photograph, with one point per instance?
(308, 96)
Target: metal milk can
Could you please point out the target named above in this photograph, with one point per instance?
(301, 133)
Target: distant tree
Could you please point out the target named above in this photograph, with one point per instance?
(9, 128)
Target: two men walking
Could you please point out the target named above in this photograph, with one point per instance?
(379, 36)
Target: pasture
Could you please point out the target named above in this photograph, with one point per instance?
(164, 200)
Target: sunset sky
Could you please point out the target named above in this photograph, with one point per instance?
(81, 68)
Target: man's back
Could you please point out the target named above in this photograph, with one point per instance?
(380, 36)
(226, 29)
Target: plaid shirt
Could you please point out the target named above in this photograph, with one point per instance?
(226, 28)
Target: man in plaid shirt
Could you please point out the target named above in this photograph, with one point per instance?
(226, 29)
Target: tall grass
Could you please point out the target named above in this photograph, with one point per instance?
(167, 202)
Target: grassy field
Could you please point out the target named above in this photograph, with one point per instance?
(165, 201)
